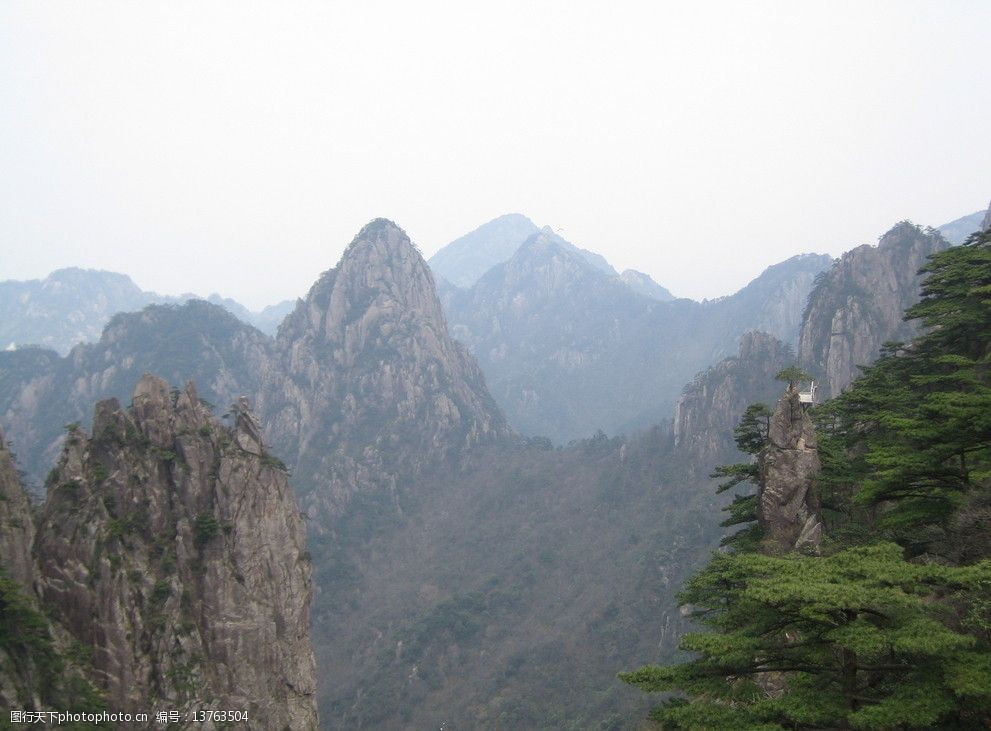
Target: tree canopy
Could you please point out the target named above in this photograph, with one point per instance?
(891, 626)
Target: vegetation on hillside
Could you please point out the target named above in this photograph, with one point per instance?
(891, 626)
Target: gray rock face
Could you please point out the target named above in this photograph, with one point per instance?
(370, 383)
(986, 223)
(40, 392)
(173, 547)
(787, 500)
(858, 305)
(711, 405)
(16, 524)
(645, 285)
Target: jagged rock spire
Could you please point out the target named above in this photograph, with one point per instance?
(173, 546)
(375, 385)
(788, 509)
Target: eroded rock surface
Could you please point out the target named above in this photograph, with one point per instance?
(16, 526)
(858, 305)
(371, 385)
(173, 548)
(787, 500)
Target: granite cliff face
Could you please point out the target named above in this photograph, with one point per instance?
(16, 523)
(787, 498)
(173, 548)
(858, 305)
(711, 405)
(371, 385)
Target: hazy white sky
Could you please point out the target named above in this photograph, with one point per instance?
(238, 147)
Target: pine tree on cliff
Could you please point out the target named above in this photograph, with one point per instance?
(866, 636)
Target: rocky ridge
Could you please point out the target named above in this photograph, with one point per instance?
(858, 305)
(16, 522)
(173, 548)
(72, 306)
(371, 385)
(568, 349)
(712, 403)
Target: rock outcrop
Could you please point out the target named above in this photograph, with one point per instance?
(173, 548)
(645, 285)
(712, 403)
(858, 305)
(371, 386)
(40, 393)
(788, 510)
(16, 523)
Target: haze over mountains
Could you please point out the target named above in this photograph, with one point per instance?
(465, 574)
(72, 305)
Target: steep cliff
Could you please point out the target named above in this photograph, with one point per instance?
(16, 523)
(41, 392)
(371, 386)
(172, 547)
(857, 305)
(788, 509)
(712, 403)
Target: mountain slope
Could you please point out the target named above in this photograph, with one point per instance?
(957, 230)
(372, 386)
(568, 349)
(41, 392)
(857, 305)
(72, 306)
(643, 284)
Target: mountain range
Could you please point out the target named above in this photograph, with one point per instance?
(466, 571)
(72, 306)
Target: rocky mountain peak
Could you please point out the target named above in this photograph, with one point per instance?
(368, 353)
(644, 284)
(381, 278)
(173, 547)
(857, 305)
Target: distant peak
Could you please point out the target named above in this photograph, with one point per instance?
(380, 229)
(644, 284)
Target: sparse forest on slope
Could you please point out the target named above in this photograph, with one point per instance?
(889, 627)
